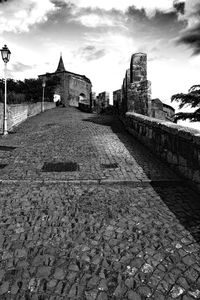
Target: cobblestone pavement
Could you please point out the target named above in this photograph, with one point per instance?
(122, 226)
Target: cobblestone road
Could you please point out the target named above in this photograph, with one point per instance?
(121, 226)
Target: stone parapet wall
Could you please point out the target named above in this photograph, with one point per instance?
(34, 109)
(49, 105)
(177, 145)
(17, 113)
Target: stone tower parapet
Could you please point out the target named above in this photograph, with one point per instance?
(138, 67)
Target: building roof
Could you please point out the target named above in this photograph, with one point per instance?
(157, 100)
(168, 106)
(61, 67)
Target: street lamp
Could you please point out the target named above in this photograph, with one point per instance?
(43, 86)
(5, 53)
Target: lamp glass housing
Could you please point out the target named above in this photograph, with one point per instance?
(5, 53)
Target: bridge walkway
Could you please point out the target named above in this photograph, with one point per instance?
(87, 212)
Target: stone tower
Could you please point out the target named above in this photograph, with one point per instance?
(139, 88)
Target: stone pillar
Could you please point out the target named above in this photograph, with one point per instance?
(139, 88)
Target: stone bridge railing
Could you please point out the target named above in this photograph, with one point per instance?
(17, 113)
(179, 146)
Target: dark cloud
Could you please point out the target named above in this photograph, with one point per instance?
(137, 14)
(161, 25)
(91, 53)
(159, 18)
(179, 6)
(191, 35)
(19, 67)
(192, 38)
(57, 25)
(62, 5)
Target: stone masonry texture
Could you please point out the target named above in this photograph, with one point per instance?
(136, 89)
(17, 113)
(177, 145)
(121, 226)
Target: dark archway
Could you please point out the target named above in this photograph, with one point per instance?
(82, 98)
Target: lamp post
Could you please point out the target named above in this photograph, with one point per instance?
(43, 87)
(5, 53)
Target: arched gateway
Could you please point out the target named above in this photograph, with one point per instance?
(71, 85)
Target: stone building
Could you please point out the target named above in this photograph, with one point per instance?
(103, 100)
(169, 112)
(117, 99)
(73, 88)
(162, 111)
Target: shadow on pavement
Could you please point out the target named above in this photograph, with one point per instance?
(176, 195)
(184, 204)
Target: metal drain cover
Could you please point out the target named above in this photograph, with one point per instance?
(60, 167)
(50, 125)
(2, 166)
(109, 166)
(7, 148)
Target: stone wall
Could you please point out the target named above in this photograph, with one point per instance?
(17, 113)
(78, 87)
(177, 145)
(35, 108)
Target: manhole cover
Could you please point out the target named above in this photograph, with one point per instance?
(109, 166)
(60, 167)
(2, 166)
(50, 125)
(7, 148)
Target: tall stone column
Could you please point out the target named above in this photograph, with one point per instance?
(139, 88)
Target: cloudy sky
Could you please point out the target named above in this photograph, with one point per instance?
(97, 38)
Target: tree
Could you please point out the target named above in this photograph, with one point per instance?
(191, 99)
(29, 90)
